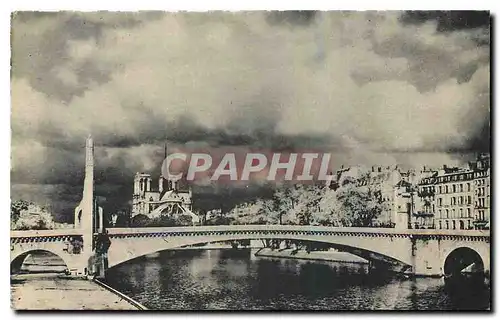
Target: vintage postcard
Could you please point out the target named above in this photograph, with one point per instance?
(250, 160)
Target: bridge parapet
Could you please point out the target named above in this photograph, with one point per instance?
(44, 233)
(314, 230)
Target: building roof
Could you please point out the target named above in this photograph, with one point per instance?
(403, 183)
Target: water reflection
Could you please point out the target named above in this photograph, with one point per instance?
(234, 280)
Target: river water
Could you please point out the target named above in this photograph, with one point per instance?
(237, 280)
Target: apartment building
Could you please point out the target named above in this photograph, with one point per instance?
(454, 189)
(482, 191)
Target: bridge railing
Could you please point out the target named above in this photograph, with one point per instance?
(284, 228)
(279, 228)
(44, 233)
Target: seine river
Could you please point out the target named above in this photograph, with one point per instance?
(237, 280)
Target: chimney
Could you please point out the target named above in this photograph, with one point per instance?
(379, 169)
(373, 168)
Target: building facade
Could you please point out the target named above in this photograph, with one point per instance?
(447, 198)
(482, 191)
(456, 198)
(403, 205)
(454, 193)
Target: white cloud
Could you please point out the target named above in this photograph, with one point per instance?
(362, 78)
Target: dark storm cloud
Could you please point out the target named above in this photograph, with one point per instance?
(39, 43)
(431, 63)
(61, 199)
(292, 18)
(449, 20)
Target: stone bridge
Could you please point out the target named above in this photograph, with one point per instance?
(420, 252)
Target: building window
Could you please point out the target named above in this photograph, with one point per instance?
(447, 225)
(446, 189)
(454, 225)
(468, 213)
(454, 188)
(447, 214)
(441, 224)
(462, 225)
(461, 187)
(440, 189)
(439, 215)
(461, 213)
(468, 187)
(461, 200)
(469, 200)
(453, 214)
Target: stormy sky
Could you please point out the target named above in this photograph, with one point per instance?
(371, 87)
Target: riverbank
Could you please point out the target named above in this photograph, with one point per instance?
(332, 256)
(57, 292)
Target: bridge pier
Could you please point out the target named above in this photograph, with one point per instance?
(98, 266)
(429, 253)
(426, 257)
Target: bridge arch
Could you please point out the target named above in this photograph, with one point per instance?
(463, 259)
(17, 260)
(124, 249)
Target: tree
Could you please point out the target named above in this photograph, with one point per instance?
(260, 212)
(171, 220)
(359, 207)
(329, 213)
(140, 220)
(31, 217)
(183, 220)
(282, 203)
(246, 213)
(216, 218)
(15, 209)
(267, 211)
(301, 204)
